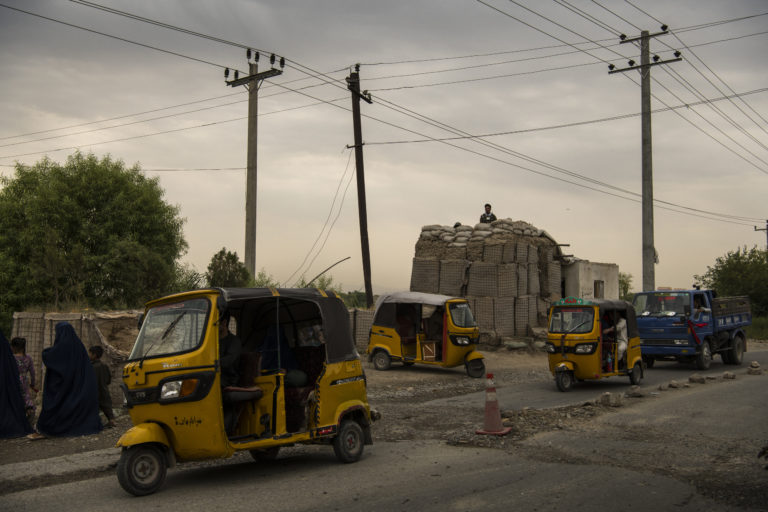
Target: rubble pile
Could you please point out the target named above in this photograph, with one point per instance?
(509, 270)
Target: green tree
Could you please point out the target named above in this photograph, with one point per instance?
(226, 270)
(323, 282)
(625, 285)
(90, 232)
(264, 280)
(187, 278)
(740, 272)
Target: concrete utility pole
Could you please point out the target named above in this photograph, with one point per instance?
(766, 233)
(252, 82)
(649, 249)
(353, 84)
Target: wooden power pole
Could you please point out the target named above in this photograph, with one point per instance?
(353, 84)
(252, 82)
(649, 249)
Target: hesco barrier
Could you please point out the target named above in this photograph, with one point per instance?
(502, 260)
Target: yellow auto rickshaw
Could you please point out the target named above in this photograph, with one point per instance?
(299, 380)
(593, 339)
(424, 328)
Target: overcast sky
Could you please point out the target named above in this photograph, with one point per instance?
(154, 96)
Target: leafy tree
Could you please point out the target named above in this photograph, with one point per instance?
(226, 270)
(187, 278)
(89, 232)
(264, 280)
(625, 284)
(740, 272)
(323, 282)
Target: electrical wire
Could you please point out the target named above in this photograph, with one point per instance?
(330, 81)
(325, 224)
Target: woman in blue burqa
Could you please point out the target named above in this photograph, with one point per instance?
(70, 396)
(13, 417)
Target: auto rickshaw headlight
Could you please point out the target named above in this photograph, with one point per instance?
(175, 389)
(550, 347)
(585, 348)
(461, 340)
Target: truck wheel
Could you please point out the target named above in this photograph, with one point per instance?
(141, 469)
(704, 356)
(348, 443)
(735, 354)
(636, 375)
(649, 361)
(564, 380)
(475, 368)
(381, 360)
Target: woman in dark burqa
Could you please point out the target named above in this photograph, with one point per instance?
(70, 396)
(13, 417)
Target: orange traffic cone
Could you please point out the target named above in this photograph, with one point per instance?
(493, 424)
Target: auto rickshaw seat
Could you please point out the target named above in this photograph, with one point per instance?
(246, 389)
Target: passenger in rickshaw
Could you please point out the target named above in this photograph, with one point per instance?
(274, 341)
(616, 333)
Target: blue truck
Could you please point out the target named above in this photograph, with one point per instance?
(691, 326)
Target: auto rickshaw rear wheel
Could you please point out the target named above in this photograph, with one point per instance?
(348, 443)
(475, 368)
(636, 375)
(266, 454)
(141, 469)
(381, 360)
(564, 380)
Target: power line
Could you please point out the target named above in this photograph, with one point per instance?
(566, 125)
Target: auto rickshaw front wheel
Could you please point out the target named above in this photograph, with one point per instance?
(348, 443)
(141, 469)
(475, 368)
(266, 454)
(564, 380)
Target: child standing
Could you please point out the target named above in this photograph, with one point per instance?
(26, 375)
(103, 379)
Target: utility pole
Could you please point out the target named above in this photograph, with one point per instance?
(766, 233)
(252, 82)
(650, 257)
(353, 84)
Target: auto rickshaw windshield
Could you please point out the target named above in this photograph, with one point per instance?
(172, 328)
(577, 320)
(461, 314)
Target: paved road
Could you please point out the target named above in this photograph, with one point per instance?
(543, 395)
(406, 476)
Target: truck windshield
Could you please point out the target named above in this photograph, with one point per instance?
(577, 320)
(172, 328)
(661, 303)
(461, 314)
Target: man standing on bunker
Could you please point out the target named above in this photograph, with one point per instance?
(487, 217)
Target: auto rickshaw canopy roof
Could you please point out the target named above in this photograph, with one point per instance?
(431, 299)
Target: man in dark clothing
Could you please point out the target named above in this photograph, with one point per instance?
(103, 379)
(230, 348)
(487, 217)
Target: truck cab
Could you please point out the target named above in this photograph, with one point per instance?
(691, 326)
